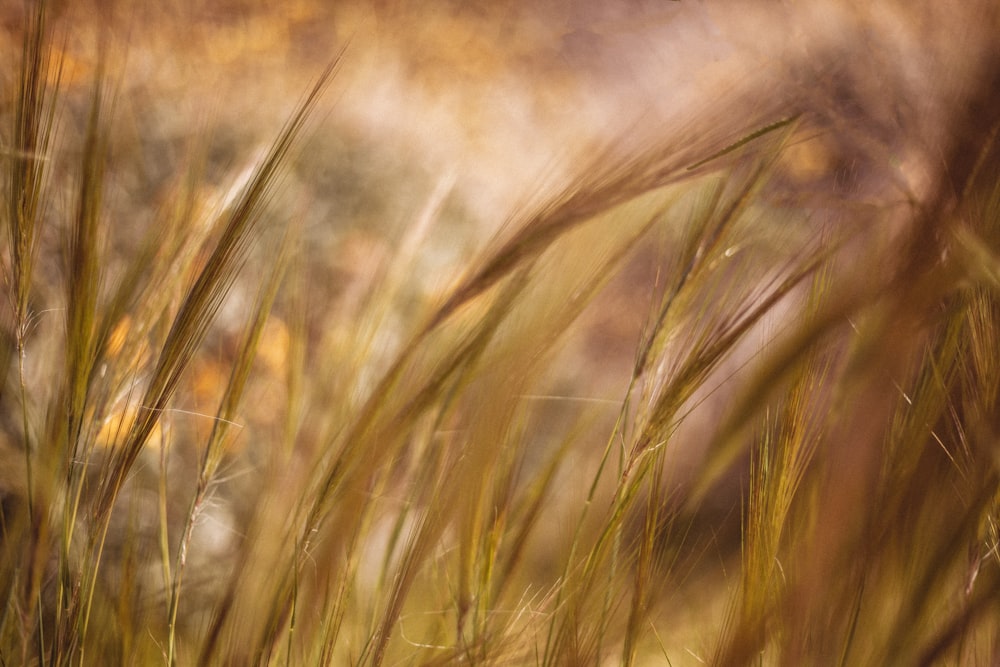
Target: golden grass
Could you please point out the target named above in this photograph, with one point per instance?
(223, 447)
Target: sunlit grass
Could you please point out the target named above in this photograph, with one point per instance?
(215, 453)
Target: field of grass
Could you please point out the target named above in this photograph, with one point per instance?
(432, 334)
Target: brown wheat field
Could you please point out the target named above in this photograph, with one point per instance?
(499, 333)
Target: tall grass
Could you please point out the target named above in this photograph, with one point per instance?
(800, 466)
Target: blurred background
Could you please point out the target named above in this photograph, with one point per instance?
(480, 109)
